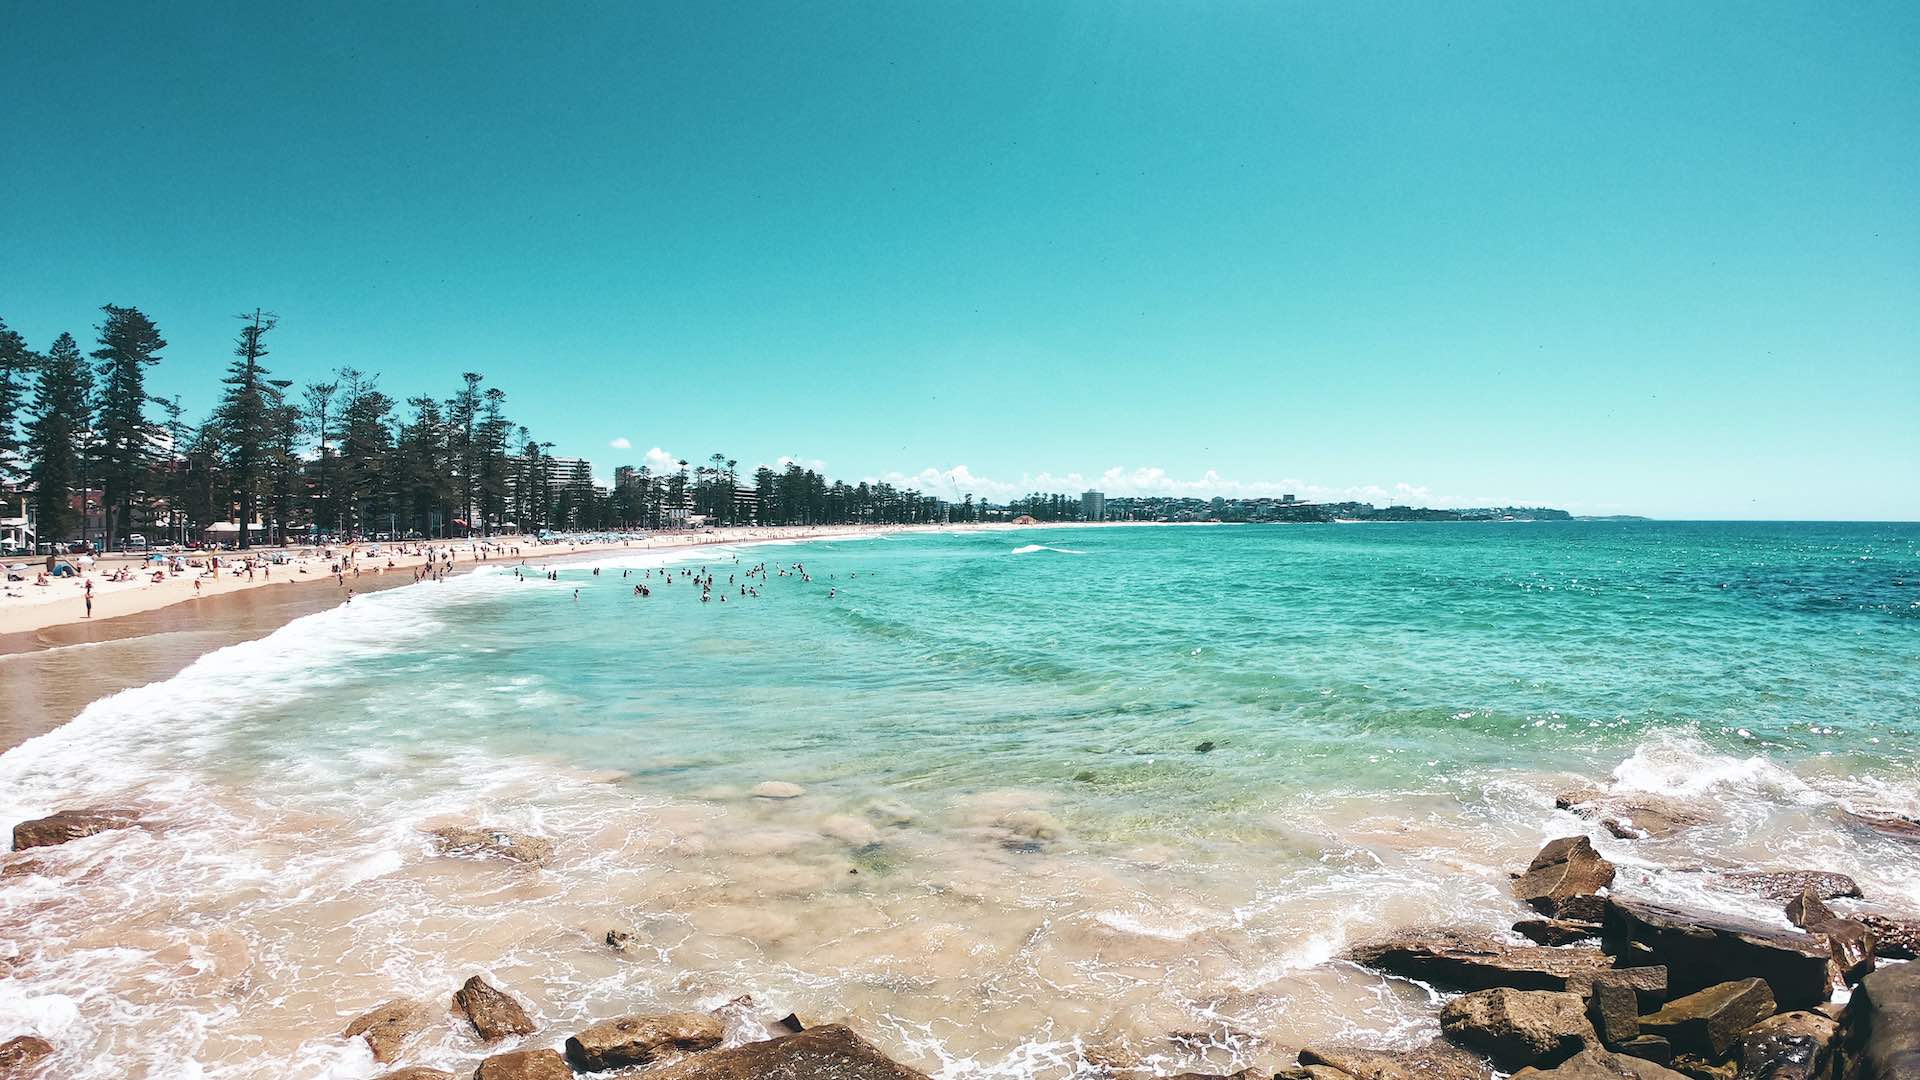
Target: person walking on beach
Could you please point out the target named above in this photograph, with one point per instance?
(89, 598)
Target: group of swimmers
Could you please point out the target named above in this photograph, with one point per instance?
(742, 584)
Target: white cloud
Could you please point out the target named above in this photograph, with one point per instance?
(621, 443)
(660, 459)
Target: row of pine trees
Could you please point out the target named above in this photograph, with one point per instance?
(341, 456)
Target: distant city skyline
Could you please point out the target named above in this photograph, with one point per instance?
(1656, 260)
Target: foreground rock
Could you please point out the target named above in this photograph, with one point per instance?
(1790, 1046)
(21, 1056)
(1702, 949)
(1463, 960)
(416, 1072)
(1597, 1064)
(1895, 936)
(1632, 815)
(1517, 1028)
(1710, 1022)
(482, 843)
(493, 1014)
(1437, 1060)
(70, 825)
(1556, 931)
(1565, 868)
(524, 1065)
(1880, 1034)
(386, 1028)
(638, 1040)
(831, 1052)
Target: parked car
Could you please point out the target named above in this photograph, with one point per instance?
(134, 542)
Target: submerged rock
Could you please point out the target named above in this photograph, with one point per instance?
(1896, 826)
(1790, 1046)
(416, 1072)
(493, 1014)
(1711, 1021)
(777, 790)
(524, 1065)
(1784, 885)
(831, 1052)
(468, 842)
(1702, 949)
(20, 1056)
(1894, 936)
(1517, 1028)
(637, 1040)
(386, 1028)
(1632, 815)
(69, 825)
(1565, 868)
(1464, 960)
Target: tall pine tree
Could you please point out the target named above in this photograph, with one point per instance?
(246, 409)
(129, 344)
(56, 436)
(16, 367)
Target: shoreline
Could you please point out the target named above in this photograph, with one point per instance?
(54, 661)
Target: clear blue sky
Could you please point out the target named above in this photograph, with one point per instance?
(1656, 258)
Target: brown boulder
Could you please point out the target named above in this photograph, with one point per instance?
(1806, 910)
(1711, 1022)
(416, 1072)
(1850, 945)
(1594, 1063)
(493, 1014)
(1651, 1047)
(1880, 1032)
(1790, 1046)
(637, 1040)
(1702, 949)
(524, 1065)
(1565, 868)
(1784, 885)
(1632, 815)
(471, 843)
(1615, 1012)
(1897, 826)
(1517, 1028)
(829, 1052)
(387, 1027)
(21, 1056)
(1466, 960)
(70, 825)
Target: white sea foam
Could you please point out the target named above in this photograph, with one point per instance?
(1029, 549)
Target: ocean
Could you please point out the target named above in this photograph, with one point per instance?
(1068, 795)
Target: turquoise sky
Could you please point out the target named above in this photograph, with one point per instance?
(1651, 258)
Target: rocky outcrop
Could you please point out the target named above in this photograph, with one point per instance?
(493, 1014)
(637, 1040)
(1649, 1047)
(1436, 1060)
(524, 1065)
(1556, 931)
(1896, 826)
(1711, 1021)
(1790, 1046)
(71, 825)
(1597, 1064)
(484, 843)
(1614, 1010)
(20, 1057)
(1463, 960)
(1784, 885)
(1517, 1028)
(1702, 949)
(1880, 1034)
(1894, 936)
(830, 1052)
(1807, 910)
(1632, 815)
(386, 1028)
(1565, 868)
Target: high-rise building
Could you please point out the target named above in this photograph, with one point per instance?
(1093, 506)
(625, 477)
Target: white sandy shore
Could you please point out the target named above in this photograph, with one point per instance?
(26, 606)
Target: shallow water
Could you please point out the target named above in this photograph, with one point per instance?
(1011, 858)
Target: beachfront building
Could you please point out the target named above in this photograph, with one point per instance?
(1093, 506)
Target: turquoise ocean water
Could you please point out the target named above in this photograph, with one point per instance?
(1012, 854)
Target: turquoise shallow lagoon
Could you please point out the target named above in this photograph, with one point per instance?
(1012, 854)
